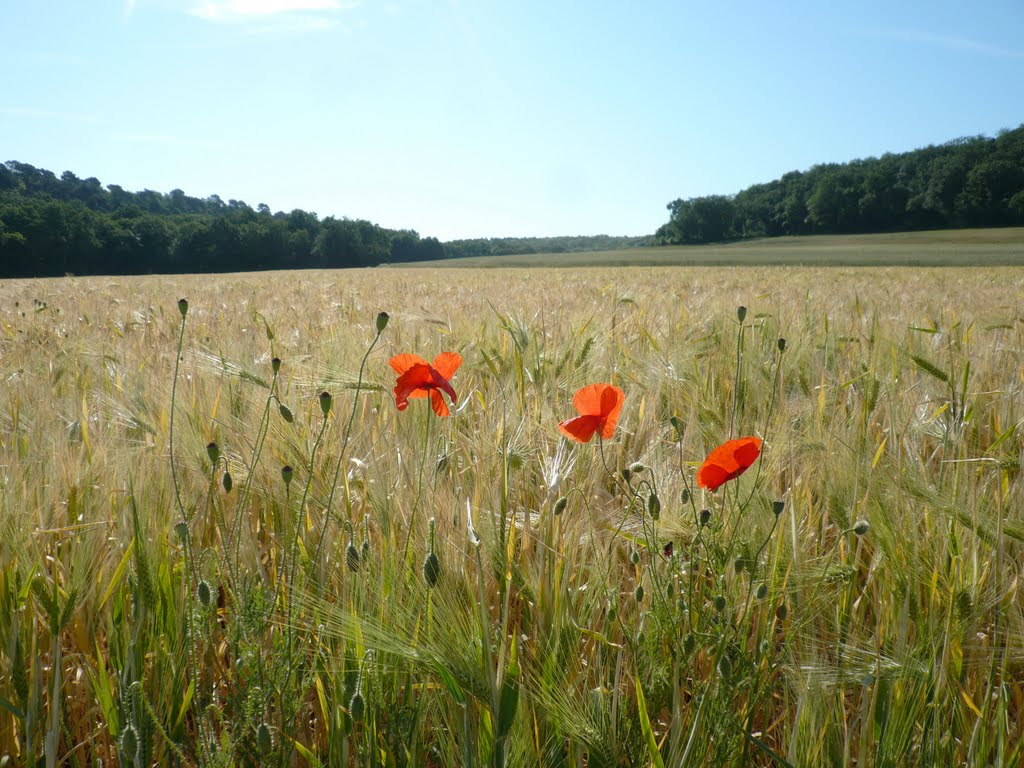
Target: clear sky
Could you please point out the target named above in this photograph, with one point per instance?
(469, 118)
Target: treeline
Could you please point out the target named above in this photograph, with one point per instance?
(518, 246)
(51, 226)
(969, 182)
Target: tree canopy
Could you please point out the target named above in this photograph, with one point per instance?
(970, 182)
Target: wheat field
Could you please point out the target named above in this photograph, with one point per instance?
(207, 561)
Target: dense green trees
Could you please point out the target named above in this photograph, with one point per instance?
(970, 182)
(53, 225)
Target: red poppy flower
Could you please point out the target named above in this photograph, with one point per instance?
(599, 406)
(728, 461)
(418, 378)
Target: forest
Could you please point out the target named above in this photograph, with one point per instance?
(969, 182)
(56, 225)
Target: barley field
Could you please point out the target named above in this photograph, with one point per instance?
(221, 543)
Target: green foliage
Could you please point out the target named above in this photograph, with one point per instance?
(970, 182)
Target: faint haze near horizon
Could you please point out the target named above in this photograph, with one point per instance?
(484, 119)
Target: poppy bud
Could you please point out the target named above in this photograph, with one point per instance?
(382, 321)
(720, 603)
(226, 481)
(264, 741)
(285, 412)
(287, 473)
(725, 667)
(741, 313)
(777, 507)
(670, 590)
(740, 564)
(634, 557)
(685, 496)
(861, 527)
(129, 736)
(653, 506)
(613, 613)
(183, 306)
(275, 364)
(636, 468)
(638, 593)
(705, 517)
(677, 425)
(431, 569)
(357, 707)
(203, 592)
(560, 505)
(213, 451)
(364, 550)
(182, 530)
(689, 643)
(781, 612)
(627, 474)
(325, 402)
(782, 345)
(762, 591)
(352, 557)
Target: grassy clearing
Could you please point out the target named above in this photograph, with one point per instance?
(948, 248)
(569, 639)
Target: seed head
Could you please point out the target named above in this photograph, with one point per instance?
(183, 306)
(325, 402)
(382, 321)
(741, 313)
(777, 507)
(287, 473)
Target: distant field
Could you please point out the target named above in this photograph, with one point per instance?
(956, 247)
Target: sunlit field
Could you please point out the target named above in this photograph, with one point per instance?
(205, 560)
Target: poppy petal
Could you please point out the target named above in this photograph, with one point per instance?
(447, 363)
(402, 363)
(611, 406)
(587, 400)
(581, 429)
(729, 460)
(412, 384)
(438, 404)
(711, 476)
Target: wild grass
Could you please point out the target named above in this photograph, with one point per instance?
(851, 600)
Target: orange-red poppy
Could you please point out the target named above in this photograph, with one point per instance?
(418, 378)
(728, 461)
(599, 406)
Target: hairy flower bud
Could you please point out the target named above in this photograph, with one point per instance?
(183, 306)
(560, 505)
(325, 402)
(382, 321)
(213, 451)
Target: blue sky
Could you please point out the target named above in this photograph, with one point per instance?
(467, 118)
